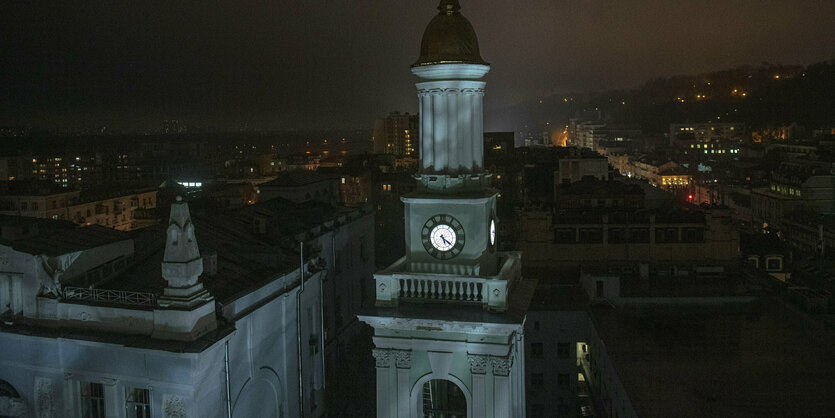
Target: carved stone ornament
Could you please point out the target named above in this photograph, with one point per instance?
(478, 363)
(382, 357)
(501, 366)
(403, 359)
(173, 407)
(44, 398)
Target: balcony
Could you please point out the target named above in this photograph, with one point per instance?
(109, 297)
(491, 292)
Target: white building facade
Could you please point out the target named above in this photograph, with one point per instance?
(448, 320)
(167, 331)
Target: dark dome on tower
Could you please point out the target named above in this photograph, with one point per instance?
(449, 38)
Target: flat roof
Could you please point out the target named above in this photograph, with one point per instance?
(65, 239)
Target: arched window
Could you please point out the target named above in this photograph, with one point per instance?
(443, 399)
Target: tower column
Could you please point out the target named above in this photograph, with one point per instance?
(403, 362)
(439, 114)
(382, 360)
(478, 368)
(501, 386)
(454, 140)
(426, 132)
(451, 126)
(465, 115)
(478, 130)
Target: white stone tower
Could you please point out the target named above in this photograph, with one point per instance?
(448, 316)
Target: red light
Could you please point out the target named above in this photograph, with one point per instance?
(690, 197)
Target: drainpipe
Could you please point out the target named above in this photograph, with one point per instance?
(322, 307)
(299, 327)
(228, 389)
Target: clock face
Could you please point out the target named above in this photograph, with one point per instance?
(443, 237)
(492, 232)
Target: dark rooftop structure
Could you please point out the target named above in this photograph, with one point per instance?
(769, 360)
(53, 237)
(296, 178)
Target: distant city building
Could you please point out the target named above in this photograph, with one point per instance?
(594, 193)
(499, 143)
(660, 172)
(663, 238)
(708, 140)
(120, 210)
(301, 186)
(397, 134)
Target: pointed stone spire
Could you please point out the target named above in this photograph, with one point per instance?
(182, 264)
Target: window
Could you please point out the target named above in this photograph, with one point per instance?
(639, 235)
(562, 381)
(666, 235)
(536, 325)
(563, 350)
(617, 236)
(137, 403)
(591, 235)
(537, 351)
(537, 379)
(24, 205)
(692, 235)
(34, 205)
(773, 263)
(564, 236)
(92, 400)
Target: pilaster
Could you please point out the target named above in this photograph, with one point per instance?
(403, 363)
(382, 360)
(478, 369)
(501, 386)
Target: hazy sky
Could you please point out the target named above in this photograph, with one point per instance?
(342, 63)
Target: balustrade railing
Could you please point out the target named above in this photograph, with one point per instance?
(452, 289)
(118, 297)
(394, 285)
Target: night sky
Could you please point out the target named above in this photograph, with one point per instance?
(313, 64)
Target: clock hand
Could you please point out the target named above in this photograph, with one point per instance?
(444, 240)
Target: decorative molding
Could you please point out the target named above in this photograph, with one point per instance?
(501, 366)
(416, 324)
(403, 359)
(382, 357)
(478, 363)
(44, 398)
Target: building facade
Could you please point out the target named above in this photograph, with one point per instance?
(98, 323)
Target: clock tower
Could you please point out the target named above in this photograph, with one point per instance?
(448, 315)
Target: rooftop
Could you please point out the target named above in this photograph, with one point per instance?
(58, 237)
(296, 178)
